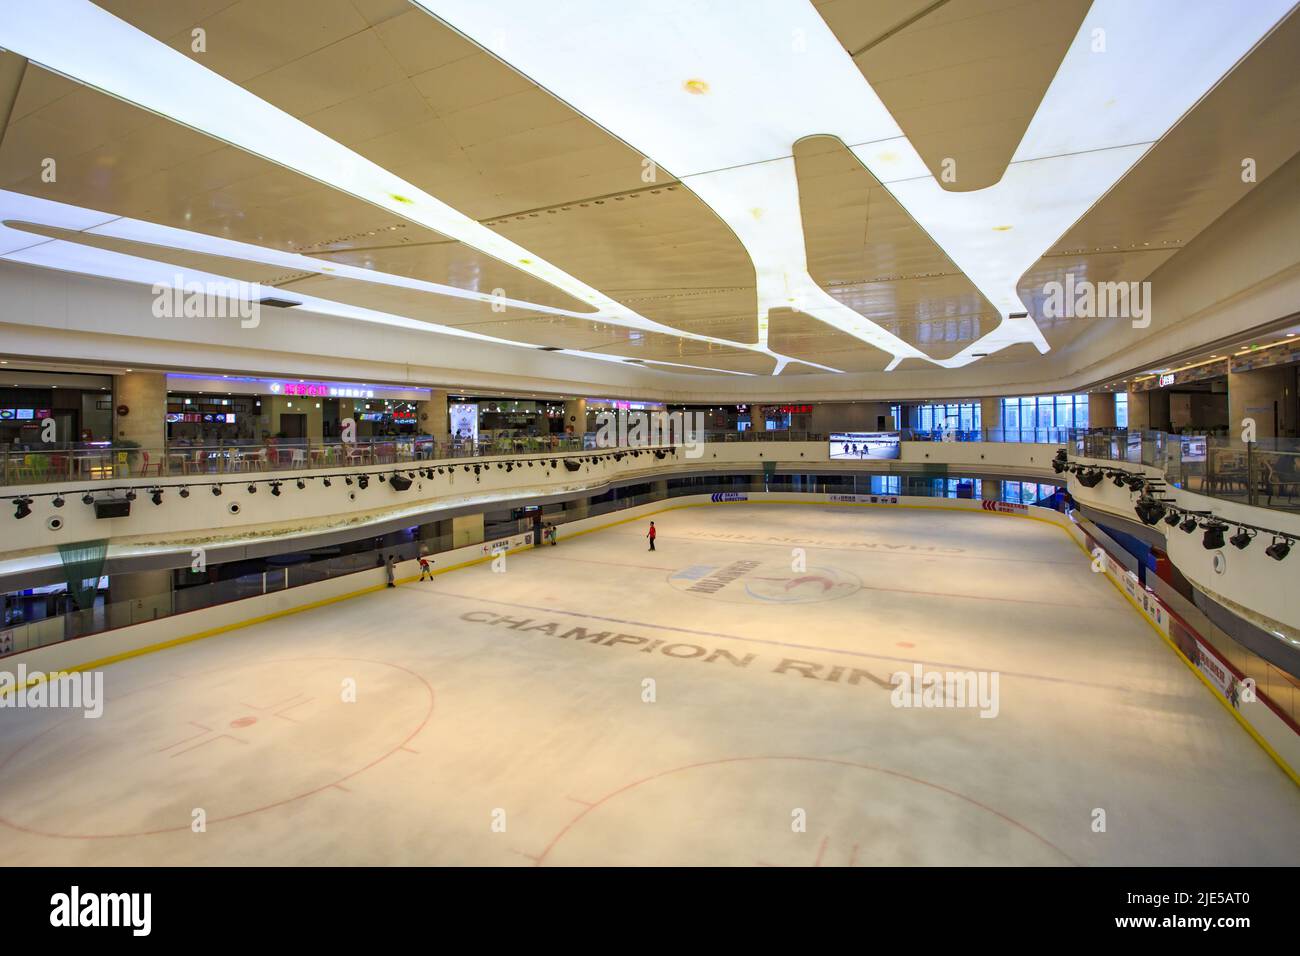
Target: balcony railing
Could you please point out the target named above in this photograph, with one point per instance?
(96, 461)
(1264, 473)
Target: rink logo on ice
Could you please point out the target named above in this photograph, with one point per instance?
(75, 909)
(56, 690)
(975, 690)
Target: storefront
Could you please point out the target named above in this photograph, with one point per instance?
(243, 409)
(80, 406)
(492, 419)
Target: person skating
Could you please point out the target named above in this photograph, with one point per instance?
(651, 535)
(390, 569)
(426, 571)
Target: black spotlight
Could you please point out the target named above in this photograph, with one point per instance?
(554, 462)
(275, 488)
(156, 496)
(87, 499)
(252, 488)
(382, 479)
(185, 492)
(1058, 466)
(1189, 524)
(400, 482)
(1278, 550)
(326, 481)
(572, 465)
(347, 480)
(1213, 539)
(363, 482)
(216, 491)
(22, 507)
(510, 466)
(1090, 478)
(1136, 482)
(477, 468)
(1241, 539)
(301, 484)
(130, 495)
(1171, 519)
(58, 501)
(1149, 510)
(1119, 478)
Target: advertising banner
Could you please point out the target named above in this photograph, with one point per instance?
(463, 418)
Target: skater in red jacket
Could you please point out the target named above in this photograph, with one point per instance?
(651, 535)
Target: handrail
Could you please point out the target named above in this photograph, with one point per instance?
(1263, 473)
(63, 463)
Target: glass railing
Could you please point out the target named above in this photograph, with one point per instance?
(290, 571)
(1264, 473)
(43, 464)
(100, 461)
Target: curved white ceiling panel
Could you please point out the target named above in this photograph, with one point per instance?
(714, 89)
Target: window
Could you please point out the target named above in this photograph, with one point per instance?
(885, 484)
(1041, 417)
(1121, 409)
(962, 418)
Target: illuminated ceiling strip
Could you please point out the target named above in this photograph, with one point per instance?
(81, 41)
(62, 255)
(710, 90)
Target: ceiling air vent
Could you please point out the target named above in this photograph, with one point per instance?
(549, 348)
(278, 303)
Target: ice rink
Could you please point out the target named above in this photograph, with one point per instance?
(504, 718)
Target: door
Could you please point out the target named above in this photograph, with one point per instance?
(294, 426)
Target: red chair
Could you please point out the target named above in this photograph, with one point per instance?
(145, 466)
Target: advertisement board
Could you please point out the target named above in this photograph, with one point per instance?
(861, 446)
(463, 418)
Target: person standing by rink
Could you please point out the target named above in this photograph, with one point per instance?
(651, 535)
(390, 569)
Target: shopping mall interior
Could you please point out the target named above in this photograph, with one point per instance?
(664, 423)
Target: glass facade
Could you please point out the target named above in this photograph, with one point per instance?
(958, 417)
(1028, 418)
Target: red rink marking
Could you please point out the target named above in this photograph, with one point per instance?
(828, 760)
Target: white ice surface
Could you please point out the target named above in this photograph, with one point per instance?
(458, 719)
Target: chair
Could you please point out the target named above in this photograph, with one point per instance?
(145, 465)
(298, 458)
